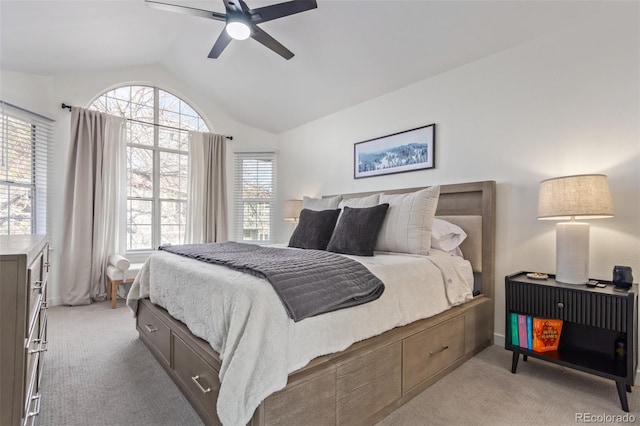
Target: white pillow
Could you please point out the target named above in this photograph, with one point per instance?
(446, 236)
(358, 203)
(362, 202)
(407, 226)
(321, 203)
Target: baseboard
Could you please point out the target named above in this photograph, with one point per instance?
(58, 301)
(54, 302)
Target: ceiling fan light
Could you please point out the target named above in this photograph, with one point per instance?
(238, 30)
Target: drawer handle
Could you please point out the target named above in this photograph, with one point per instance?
(37, 285)
(203, 390)
(560, 305)
(150, 328)
(442, 349)
(41, 346)
(37, 410)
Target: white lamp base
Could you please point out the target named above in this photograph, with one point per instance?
(572, 252)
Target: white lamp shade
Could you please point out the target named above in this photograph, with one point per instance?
(580, 197)
(291, 210)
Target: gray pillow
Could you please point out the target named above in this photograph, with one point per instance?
(357, 230)
(314, 229)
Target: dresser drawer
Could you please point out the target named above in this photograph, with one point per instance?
(46, 265)
(155, 331)
(35, 321)
(427, 353)
(43, 338)
(574, 305)
(198, 377)
(31, 391)
(33, 409)
(35, 290)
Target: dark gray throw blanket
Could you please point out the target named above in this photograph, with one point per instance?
(309, 282)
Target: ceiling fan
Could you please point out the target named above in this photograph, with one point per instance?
(241, 21)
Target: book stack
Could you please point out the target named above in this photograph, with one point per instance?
(535, 334)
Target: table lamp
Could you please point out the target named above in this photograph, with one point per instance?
(291, 210)
(570, 198)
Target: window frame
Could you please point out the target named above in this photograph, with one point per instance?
(239, 201)
(40, 131)
(156, 151)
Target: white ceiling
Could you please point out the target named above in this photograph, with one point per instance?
(346, 51)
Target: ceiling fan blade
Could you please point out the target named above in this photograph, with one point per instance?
(186, 10)
(275, 11)
(223, 41)
(265, 39)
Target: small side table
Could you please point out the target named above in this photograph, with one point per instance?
(595, 320)
(115, 277)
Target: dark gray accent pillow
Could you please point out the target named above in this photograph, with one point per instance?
(357, 230)
(314, 229)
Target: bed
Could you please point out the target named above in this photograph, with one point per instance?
(355, 383)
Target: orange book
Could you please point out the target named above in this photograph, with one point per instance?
(546, 334)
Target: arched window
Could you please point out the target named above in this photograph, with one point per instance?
(157, 162)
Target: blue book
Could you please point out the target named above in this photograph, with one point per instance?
(529, 332)
(514, 328)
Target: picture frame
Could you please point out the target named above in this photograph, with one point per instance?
(400, 152)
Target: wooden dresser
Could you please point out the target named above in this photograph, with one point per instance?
(24, 266)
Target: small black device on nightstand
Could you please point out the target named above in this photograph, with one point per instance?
(622, 277)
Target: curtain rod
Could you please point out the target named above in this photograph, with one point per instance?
(65, 106)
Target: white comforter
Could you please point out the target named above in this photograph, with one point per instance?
(259, 345)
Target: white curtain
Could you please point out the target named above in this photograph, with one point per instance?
(207, 189)
(93, 204)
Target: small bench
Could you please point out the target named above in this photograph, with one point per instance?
(119, 271)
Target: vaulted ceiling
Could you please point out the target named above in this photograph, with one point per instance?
(346, 51)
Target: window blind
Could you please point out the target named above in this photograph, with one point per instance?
(25, 140)
(254, 196)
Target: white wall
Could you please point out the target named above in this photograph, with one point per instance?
(567, 103)
(28, 91)
(44, 95)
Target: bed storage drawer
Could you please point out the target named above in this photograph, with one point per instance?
(309, 401)
(368, 383)
(198, 377)
(430, 351)
(156, 332)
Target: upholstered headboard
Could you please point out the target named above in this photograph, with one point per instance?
(472, 207)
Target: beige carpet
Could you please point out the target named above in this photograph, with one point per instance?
(97, 372)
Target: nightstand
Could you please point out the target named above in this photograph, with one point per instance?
(595, 320)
